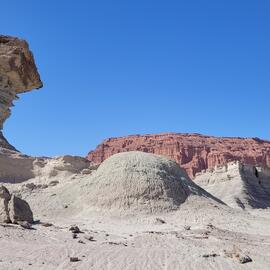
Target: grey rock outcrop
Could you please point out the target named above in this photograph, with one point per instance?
(4, 199)
(13, 209)
(238, 185)
(18, 74)
(19, 210)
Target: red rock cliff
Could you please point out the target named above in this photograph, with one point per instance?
(193, 152)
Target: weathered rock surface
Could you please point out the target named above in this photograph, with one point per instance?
(193, 152)
(18, 74)
(4, 199)
(238, 185)
(13, 209)
(140, 182)
(19, 210)
(16, 167)
(5, 144)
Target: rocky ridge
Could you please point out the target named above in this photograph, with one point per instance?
(18, 74)
(16, 167)
(193, 152)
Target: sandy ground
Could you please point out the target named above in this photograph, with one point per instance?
(217, 238)
(201, 234)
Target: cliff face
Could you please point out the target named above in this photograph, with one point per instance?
(193, 152)
(238, 185)
(18, 74)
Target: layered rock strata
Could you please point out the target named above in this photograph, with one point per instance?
(193, 152)
(16, 167)
(237, 184)
(18, 74)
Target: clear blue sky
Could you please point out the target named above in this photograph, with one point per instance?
(114, 68)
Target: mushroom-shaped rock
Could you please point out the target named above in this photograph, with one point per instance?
(4, 199)
(138, 181)
(19, 210)
(18, 74)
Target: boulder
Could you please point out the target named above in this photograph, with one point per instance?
(19, 210)
(4, 199)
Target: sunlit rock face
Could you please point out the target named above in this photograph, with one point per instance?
(238, 185)
(193, 152)
(18, 74)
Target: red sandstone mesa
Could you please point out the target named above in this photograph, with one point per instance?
(193, 152)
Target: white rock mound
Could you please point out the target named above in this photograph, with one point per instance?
(138, 181)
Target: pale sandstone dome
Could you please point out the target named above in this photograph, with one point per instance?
(140, 181)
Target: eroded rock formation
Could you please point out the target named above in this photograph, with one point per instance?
(19, 210)
(4, 199)
(13, 209)
(238, 185)
(16, 167)
(18, 74)
(193, 152)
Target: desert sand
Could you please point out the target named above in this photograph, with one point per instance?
(129, 232)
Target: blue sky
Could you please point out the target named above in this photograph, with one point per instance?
(114, 68)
